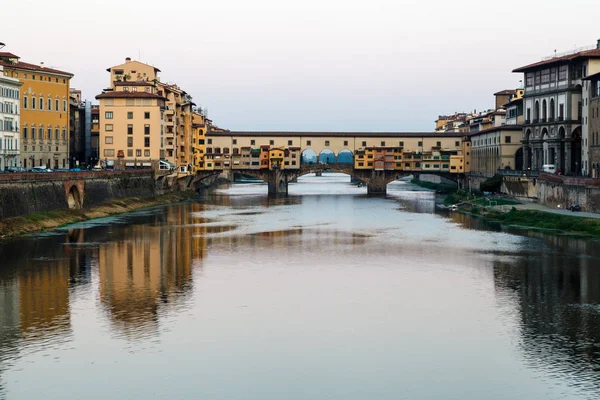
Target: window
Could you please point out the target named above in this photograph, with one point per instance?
(147, 115)
(42, 133)
(529, 79)
(130, 129)
(109, 152)
(56, 134)
(201, 141)
(33, 103)
(271, 142)
(456, 144)
(56, 105)
(108, 140)
(289, 142)
(382, 143)
(108, 115)
(507, 139)
(561, 111)
(138, 152)
(538, 77)
(439, 144)
(33, 131)
(401, 143)
(308, 142)
(130, 142)
(49, 104)
(130, 153)
(64, 134)
(546, 75)
(108, 127)
(327, 143)
(553, 74)
(146, 142)
(129, 115)
(420, 144)
(25, 101)
(562, 73)
(364, 144)
(146, 129)
(234, 141)
(25, 132)
(146, 153)
(252, 142)
(210, 141)
(65, 106)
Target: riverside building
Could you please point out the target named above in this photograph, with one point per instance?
(44, 112)
(9, 121)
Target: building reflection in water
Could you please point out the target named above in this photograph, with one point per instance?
(145, 270)
(558, 302)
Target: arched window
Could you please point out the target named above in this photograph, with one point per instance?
(49, 104)
(544, 112)
(41, 132)
(536, 111)
(25, 101)
(551, 113)
(57, 133)
(56, 105)
(41, 103)
(226, 150)
(33, 132)
(32, 103)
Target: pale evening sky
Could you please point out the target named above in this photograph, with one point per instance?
(386, 65)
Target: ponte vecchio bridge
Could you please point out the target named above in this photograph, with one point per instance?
(376, 158)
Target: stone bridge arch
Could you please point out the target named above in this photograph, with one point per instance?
(74, 192)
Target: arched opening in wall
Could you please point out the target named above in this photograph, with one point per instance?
(544, 110)
(551, 110)
(308, 157)
(576, 152)
(345, 157)
(536, 112)
(546, 159)
(519, 160)
(73, 198)
(561, 151)
(327, 157)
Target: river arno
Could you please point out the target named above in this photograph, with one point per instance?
(328, 294)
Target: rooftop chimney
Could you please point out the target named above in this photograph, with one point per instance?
(128, 59)
(41, 64)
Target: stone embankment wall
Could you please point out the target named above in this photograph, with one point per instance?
(555, 190)
(27, 193)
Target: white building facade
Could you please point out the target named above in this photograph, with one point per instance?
(555, 127)
(9, 120)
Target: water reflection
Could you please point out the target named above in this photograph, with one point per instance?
(238, 284)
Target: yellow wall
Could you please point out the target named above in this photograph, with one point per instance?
(45, 85)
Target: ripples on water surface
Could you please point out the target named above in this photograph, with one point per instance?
(328, 294)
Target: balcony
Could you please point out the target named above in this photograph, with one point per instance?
(10, 152)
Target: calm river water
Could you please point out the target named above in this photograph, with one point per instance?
(328, 294)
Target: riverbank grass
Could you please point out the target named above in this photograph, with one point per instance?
(44, 221)
(547, 221)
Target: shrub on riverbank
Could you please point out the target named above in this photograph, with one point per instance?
(443, 188)
(545, 220)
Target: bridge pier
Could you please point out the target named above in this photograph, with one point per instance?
(278, 183)
(319, 173)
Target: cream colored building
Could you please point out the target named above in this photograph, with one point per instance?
(132, 118)
(496, 148)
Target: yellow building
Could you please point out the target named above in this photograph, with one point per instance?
(132, 128)
(44, 119)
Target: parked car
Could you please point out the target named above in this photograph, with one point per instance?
(16, 169)
(40, 169)
(574, 207)
(97, 168)
(75, 170)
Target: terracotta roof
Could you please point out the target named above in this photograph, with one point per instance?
(8, 55)
(133, 83)
(593, 76)
(595, 53)
(505, 92)
(497, 128)
(32, 67)
(339, 134)
(129, 95)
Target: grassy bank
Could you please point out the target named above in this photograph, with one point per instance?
(528, 219)
(45, 221)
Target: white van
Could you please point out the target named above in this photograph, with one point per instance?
(549, 168)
